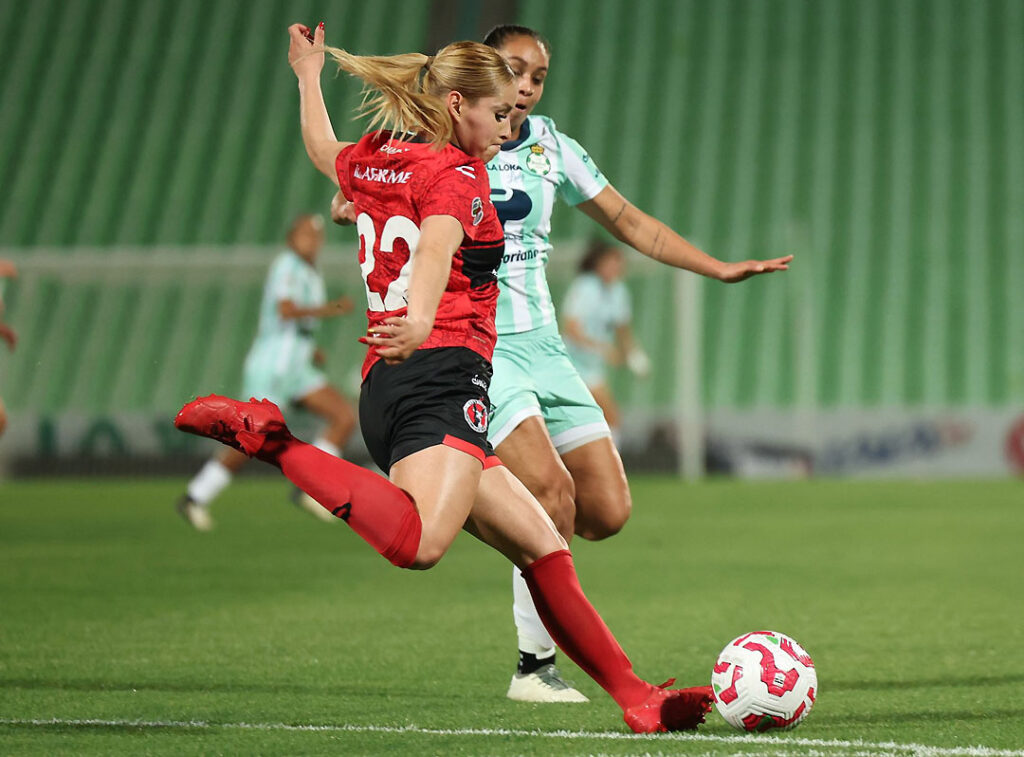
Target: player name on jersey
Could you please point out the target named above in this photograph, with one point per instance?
(382, 175)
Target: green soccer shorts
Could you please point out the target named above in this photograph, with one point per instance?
(533, 376)
(280, 377)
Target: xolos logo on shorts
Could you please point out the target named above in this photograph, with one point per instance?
(476, 415)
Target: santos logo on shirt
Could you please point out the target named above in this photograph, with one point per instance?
(382, 175)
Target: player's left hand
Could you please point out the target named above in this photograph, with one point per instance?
(343, 212)
(397, 338)
(732, 273)
(301, 42)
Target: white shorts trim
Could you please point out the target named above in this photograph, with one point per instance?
(511, 424)
(314, 386)
(577, 437)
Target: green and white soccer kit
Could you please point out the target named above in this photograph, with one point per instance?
(600, 309)
(533, 375)
(279, 365)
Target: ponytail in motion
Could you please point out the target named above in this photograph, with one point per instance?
(405, 93)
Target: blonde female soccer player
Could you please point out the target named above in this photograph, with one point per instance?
(430, 243)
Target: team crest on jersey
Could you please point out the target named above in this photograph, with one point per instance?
(475, 412)
(537, 161)
(477, 208)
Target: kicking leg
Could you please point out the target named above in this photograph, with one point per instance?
(380, 512)
(331, 405)
(516, 525)
(410, 521)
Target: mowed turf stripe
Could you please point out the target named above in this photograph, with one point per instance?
(875, 747)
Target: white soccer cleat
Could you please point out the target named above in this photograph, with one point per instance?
(197, 516)
(304, 502)
(544, 685)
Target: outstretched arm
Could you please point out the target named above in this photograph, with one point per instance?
(648, 235)
(288, 310)
(317, 132)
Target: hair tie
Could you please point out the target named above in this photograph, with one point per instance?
(430, 59)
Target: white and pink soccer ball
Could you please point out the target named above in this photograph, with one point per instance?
(764, 680)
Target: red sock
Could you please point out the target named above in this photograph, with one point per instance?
(376, 509)
(577, 628)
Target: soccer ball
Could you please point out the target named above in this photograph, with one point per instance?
(764, 680)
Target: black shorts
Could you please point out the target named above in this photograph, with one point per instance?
(437, 396)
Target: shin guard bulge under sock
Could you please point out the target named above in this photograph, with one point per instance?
(579, 631)
(381, 513)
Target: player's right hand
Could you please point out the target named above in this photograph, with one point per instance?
(341, 306)
(303, 63)
(397, 338)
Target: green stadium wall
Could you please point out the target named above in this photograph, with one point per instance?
(150, 159)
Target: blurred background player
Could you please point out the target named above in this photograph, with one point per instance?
(10, 337)
(597, 327)
(546, 426)
(283, 365)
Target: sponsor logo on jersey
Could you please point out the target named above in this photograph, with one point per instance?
(504, 167)
(479, 382)
(477, 209)
(381, 175)
(519, 257)
(392, 150)
(511, 204)
(466, 171)
(476, 415)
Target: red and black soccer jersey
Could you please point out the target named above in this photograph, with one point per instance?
(394, 186)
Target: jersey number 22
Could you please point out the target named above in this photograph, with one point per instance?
(392, 297)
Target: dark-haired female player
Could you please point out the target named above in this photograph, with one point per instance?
(430, 242)
(546, 427)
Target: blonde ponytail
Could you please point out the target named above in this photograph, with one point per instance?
(405, 93)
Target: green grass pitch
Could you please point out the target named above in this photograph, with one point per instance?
(122, 631)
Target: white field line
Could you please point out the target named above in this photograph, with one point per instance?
(857, 745)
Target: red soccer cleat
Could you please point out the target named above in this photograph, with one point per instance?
(670, 709)
(245, 426)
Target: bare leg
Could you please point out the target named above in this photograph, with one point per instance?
(331, 405)
(232, 459)
(603, 396)
(530, 456)
(442, 481)
(603, 502)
